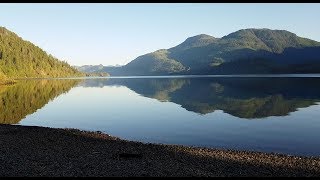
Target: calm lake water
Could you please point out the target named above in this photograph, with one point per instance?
(268, 114)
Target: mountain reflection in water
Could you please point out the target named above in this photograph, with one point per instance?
(27, 96)
(248, 98)
(241, 97)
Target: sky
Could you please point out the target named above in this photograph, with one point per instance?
(110, 33)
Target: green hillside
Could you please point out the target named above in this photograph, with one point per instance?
(22, 59)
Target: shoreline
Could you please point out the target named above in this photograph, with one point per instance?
(7, 82)
(42, 151)
(286, 75)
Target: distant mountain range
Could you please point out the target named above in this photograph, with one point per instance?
(94, 68)
(247, 51)
(20, 59)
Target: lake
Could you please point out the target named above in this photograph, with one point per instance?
(275, 113)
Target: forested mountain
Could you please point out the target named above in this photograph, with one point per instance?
(244, 51)
(20, 58)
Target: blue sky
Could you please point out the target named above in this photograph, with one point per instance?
(112, 34)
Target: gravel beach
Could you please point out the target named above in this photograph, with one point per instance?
(40, 151)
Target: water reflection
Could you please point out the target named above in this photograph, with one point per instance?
(27, 96)
(248, 98)
(155, 110)
(241, 97)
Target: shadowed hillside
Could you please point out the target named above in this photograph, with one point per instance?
(247, 51)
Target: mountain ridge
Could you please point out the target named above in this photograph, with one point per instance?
(208, 55)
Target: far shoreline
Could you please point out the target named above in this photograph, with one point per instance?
(311, 75)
